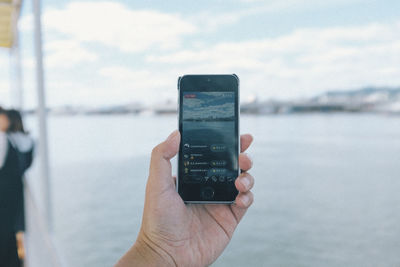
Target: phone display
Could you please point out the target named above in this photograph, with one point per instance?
(208, 123)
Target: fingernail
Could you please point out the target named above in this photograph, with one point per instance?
(172, 135)
(250, 158)
(245, 182)
(245, 200)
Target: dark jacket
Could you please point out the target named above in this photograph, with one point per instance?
(23, 144)
(10, 185)
(10, 188)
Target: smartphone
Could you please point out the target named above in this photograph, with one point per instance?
(208, 161)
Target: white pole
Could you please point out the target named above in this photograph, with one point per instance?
(18, 73)
(17, 53)
(16, 94)
(11, 74)
(43, 147)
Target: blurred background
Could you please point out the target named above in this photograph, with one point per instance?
(320, 92)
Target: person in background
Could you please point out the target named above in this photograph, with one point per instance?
(23, 143)
(16, 149)
(9, 176)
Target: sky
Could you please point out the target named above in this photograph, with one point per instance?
(102, 53)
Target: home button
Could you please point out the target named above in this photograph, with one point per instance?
(207, 193)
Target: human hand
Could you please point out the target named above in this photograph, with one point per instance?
(176, 234)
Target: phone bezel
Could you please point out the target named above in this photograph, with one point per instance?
(205, 81)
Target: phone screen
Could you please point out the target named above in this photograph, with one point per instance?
(208, 156)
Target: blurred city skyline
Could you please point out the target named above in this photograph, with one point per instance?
(106, 53)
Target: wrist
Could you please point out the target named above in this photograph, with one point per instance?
(146, 253)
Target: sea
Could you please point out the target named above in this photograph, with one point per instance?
(327, 190)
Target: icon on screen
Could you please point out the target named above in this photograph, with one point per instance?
(218, 147)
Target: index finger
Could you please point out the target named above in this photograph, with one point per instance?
(245, 141)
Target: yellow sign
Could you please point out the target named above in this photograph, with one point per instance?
(9, 13)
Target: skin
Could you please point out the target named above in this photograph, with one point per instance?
(4, 123)
(176, 234)
(20, 245)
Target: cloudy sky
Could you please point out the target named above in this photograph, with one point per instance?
(104, 53)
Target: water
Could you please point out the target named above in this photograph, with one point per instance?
(326, 194)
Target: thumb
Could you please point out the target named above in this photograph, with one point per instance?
(160, 177)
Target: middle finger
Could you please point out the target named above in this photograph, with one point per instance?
(245, 162)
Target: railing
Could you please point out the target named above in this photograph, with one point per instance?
(39, 244)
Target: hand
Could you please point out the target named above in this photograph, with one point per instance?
(175, 234)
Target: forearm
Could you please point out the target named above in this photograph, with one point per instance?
(144, 254)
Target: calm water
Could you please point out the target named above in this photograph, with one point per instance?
(326, 194)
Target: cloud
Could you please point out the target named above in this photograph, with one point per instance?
(278, 5)
(67, 53)
(147, 85)
(166, 45)
(251, 8)
(115, 25)
(303, 62)
(136, 79)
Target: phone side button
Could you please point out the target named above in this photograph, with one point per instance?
(207, 193)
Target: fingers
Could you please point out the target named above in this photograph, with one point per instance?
(245, 141)
(244, 200)
(244, 182)
(167, 149)
(160, 166)
(242, 203)
(245, 162)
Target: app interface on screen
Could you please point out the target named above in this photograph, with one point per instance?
(208, 139)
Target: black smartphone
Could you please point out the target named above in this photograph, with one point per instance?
(208, 161)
